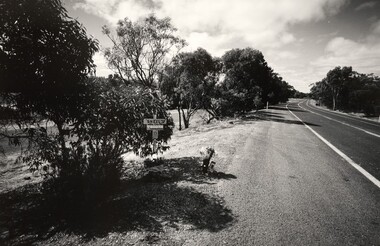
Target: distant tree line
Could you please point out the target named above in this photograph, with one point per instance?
(347, 90)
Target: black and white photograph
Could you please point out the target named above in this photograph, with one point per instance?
(189, 122)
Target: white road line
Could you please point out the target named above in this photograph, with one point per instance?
(345, 157)
(368, 122)
(343, 123)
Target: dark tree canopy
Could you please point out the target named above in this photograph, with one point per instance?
(189, 82)
(44, 56)
(345, 89)
(337, 79)
(236, 83)
(249, 80)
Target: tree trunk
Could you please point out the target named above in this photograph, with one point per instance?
(186, 119)
(212, 116)
(179, 117)
(335, 98)
(334, 103)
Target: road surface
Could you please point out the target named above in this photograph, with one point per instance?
(293, 189)
(358, 138)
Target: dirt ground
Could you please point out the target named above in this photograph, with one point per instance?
(171, 204)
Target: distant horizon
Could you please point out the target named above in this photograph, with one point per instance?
(300, 40)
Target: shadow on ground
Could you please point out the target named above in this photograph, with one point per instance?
(292, 108)
(149, 203)
(273, 116)
(184, 169)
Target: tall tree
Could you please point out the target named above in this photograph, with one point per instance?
(349, 90)
(140, 49)
(337, 79)
(245, 74)
(45, 57)
(190, 82)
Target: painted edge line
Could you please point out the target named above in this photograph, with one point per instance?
(343, 115)
(336, 150)
(340, 122)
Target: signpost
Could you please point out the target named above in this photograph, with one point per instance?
(154, 134)
(155, 125)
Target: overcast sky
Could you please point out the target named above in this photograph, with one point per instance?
(300, 39)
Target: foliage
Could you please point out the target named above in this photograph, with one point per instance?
(117, 113)
(345, 89)
(249, 80)
(238, 82)
(111, 124)
(298, 94)
(337, 79)
(189, 82)
(244, 71)
(140, 49)
(44, 56)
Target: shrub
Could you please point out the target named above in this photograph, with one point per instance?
(87, 166)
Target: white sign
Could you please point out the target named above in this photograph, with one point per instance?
(154, 121)
(155, 127)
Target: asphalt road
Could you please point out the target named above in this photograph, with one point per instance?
(357, 138)
(293, 189)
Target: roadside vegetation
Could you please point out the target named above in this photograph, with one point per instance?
(347, 90)
(73, 127)
(238, 82)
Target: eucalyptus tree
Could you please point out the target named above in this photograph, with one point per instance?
(190, 82)
(345, 89)
(337, 79)
(245, 75)
(142, 49)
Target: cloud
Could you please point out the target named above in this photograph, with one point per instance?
(376, 28)
(287, 55)
(365, 5)
(114, 10)
(220, 25)
(301, 75)
(363, 56)
(261, 23)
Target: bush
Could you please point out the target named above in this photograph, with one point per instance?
(82, 163)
